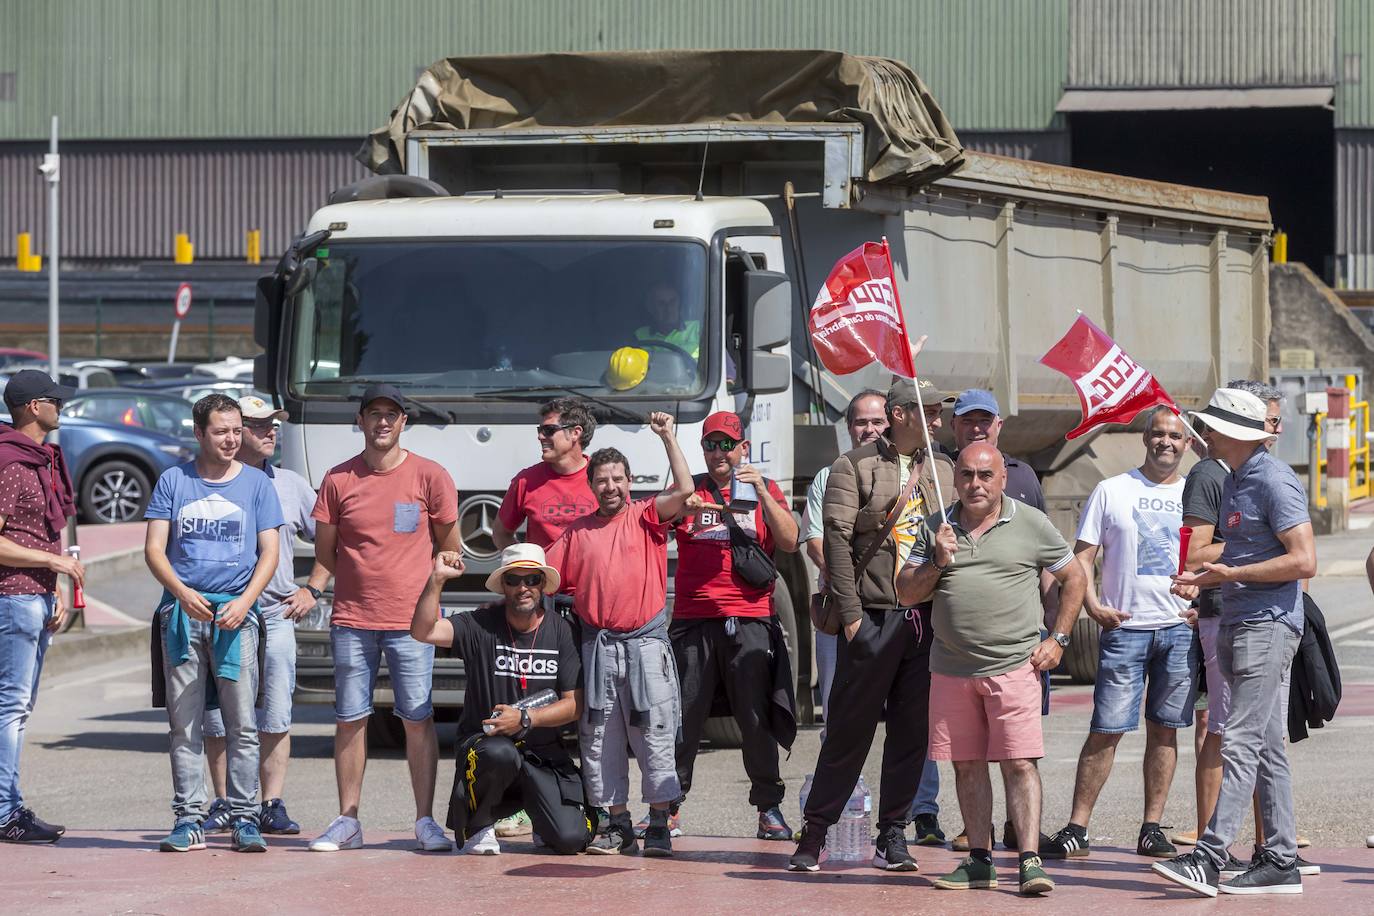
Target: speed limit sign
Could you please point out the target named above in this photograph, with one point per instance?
(183, 300)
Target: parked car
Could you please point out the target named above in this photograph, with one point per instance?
(165, 370)
(231, 367)
(166, 413)
(73, 375)
(10, 355)
(127, 373)
(197, 387)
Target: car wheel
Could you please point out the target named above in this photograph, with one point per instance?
(724, 731)
(113, 492)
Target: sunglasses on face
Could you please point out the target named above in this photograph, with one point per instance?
(56, 402)
(1275, 422)
(512, 580)
(547, 430)
(723, 445)
(262, 427)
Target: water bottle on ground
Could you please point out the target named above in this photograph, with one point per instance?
(852, 838)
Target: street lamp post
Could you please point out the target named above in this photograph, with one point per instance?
(50, 169)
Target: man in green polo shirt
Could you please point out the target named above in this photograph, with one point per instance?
(982, 570)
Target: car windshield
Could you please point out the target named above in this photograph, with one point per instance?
(468, 318)
(169, 415)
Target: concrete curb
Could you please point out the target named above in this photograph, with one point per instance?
(77, 650)
(120, 561)
(1341, 568)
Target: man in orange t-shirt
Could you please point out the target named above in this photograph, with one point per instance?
(615, 565)
(380, 518)
(549, 496)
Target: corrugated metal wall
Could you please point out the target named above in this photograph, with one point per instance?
(1355, 62)
(1040, 145)
(128, 200)
(1176, 43)
(1355, 207)
(195, 69)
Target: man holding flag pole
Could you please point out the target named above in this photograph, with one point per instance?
(874, 506)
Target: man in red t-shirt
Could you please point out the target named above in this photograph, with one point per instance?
(723, 626)
(614, 563)
(554, 493)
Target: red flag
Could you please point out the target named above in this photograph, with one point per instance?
(857, 317)
(1112, 387)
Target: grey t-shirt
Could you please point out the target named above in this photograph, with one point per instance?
(986, 615)
(1260, 500)
(1202, 499)
(297, 502)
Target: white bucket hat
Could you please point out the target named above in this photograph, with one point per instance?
(255, 408)
(523, 557)
(1236, 414)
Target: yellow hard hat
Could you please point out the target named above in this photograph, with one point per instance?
(627, 368)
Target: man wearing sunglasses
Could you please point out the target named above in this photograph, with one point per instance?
(282, 603)
(509, 756)
(36, 499)
(549, 496)
(615, 565)
(724, 631)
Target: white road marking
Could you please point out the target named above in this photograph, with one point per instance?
(99, 678)
(1351, 629)
(1359, 643)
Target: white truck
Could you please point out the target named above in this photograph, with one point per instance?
(510, 263)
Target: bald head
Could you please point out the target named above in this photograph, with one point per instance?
(980, 476)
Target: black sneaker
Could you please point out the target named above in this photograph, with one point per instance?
(928, 832)
(1194, 870)
(1066, 844)
(1265, 876)
(1010, 841)
(772, 826)
(23, 826)
(272, 818)
(1237, 867)
(1232, 867)
(1152, 843)
(616, 838)
(218, 819)
(658, 841)
(890, 853)
(810, 849)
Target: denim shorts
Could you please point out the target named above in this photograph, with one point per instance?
(1158, 665)
(358, 656)
(278, 678)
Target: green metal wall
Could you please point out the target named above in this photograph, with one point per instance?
(1355, 64)
(186, 69)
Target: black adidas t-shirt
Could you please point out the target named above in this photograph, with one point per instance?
(503, 666)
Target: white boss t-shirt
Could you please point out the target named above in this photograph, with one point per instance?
(1135, 523)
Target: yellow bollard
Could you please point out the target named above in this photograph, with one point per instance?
(254, 246)
(25, 259)
(1280, 247)
(183, 252)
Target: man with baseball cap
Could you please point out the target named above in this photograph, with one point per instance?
(725, 634)
(380, 519)
(509, 754)
(876, 502)
(1268, 548)
(36, 499)
(282, 603)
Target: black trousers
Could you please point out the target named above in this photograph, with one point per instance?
(707, 656)
(887, 662)
(497, 778)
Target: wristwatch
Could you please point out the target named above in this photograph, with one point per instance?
(524, 720)
(1061, 638)
(314, 592)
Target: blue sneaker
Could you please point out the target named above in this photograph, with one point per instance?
(218, 819)
(274, 819)
(247, 838)
(184, 837)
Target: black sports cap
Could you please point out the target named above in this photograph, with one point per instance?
(30, 384)
(383, 390)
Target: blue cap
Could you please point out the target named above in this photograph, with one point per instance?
(976, 399)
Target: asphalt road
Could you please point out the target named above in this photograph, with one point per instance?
(95, 758)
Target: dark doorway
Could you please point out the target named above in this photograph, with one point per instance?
(1285, 154)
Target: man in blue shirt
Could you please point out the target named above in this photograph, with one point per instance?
(212, 543)
(1269, 548)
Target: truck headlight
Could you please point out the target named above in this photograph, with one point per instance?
(318, 617)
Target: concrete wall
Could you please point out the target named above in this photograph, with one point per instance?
(1306, 314)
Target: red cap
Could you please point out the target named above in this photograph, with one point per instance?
(723, 421)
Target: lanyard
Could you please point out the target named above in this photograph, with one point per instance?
(514, 649)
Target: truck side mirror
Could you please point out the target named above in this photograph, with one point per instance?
(267, 311)
(768, 300)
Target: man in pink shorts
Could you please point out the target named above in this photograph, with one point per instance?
(982, 570)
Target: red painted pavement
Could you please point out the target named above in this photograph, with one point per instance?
(102, 540)
(120, 871)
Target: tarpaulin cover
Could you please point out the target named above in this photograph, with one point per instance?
(907, 138)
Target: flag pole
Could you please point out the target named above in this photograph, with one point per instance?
(920, 402)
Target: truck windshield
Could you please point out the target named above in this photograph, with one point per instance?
(458, 318)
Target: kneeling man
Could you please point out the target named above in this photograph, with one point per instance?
(510, 758)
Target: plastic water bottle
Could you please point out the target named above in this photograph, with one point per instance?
(853, 837)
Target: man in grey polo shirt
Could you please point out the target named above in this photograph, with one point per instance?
(1269, 549)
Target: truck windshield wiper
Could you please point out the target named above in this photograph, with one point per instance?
(575, 390)
(447, 416)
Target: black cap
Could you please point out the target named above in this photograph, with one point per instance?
(29, 385)
(373, 392)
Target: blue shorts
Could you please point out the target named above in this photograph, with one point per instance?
(1159, 665)
(278, 678)
(357, 658)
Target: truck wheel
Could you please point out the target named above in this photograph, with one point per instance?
(723, 731)
(1081, 656)
(115, 491)
(385, 729)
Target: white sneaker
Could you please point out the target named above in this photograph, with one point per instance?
(430, 837)
(483, 844)
(344, 832)
(1369, 841)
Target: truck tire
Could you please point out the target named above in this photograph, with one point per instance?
(385, 729)
(114, 491)
(723, 731)
(1081, 655)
